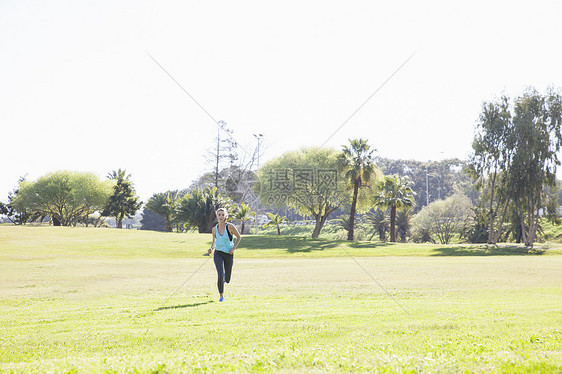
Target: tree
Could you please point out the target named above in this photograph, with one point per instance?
(64, 196)
(444, 218)
(243, 214)
(123, 203)
(152, 221)
(490, 158)
(478, 230)
(164, 204)
(536, 140)
(17, 217)
(199, 208)
(394, 193)
(226, 148)
(276, 220)
(515, 158)
(403, 223)
(357, 162)
(431, 180)
(306, 180)
(379, 220)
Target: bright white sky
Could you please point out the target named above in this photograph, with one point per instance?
(79, 92)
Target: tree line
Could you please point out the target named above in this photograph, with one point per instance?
(68, 198)
(500, 193)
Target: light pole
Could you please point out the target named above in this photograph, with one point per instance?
(259, 138)
(426, 187)
(427, 175)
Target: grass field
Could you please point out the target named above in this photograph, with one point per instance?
(101, 300)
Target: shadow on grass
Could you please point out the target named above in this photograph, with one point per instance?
(487, 250)
(182, 306)
(291, 244)
(305, 244)
(367, 244)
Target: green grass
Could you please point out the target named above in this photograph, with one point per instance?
(101, 300)
(50, 242)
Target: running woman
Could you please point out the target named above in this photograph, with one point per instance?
(224, 249)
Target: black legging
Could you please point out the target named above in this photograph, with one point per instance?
(220, 259)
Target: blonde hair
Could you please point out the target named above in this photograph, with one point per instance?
(224, 210)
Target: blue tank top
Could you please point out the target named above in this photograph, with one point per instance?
(222, 242)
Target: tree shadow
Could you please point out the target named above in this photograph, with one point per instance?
(182, 306)
(291, 244)
(487, 250)
(305, 244)
(368, 244)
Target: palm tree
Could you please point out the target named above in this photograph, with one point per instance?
(276, 220)
(119, 174)
(164, 204)
(379, 221)
(394, 193)
(403, 223)
(343, 222)
(198, 208)
(357, 162)
(243, 214)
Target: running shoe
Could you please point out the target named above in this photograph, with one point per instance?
(221, 299)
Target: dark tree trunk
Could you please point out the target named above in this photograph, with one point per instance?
(392, 223)
(56, 221)
(319, 224)
(350, 234)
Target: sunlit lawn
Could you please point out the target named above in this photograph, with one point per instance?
(95, 300)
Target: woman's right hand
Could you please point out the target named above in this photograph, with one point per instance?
(209, 251)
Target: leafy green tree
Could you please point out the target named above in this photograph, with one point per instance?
(394, 193)
(164, 204)
(307, 180)
(515, 158)
(490, 159)
(10, 211)
(276, 220)
(124, 202)
(65, 196)
(536, 140)
(243, 214)
(357, 162)
(444, 218)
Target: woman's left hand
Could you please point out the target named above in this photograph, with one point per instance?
(232, 251)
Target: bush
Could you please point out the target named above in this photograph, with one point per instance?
(443, 219)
